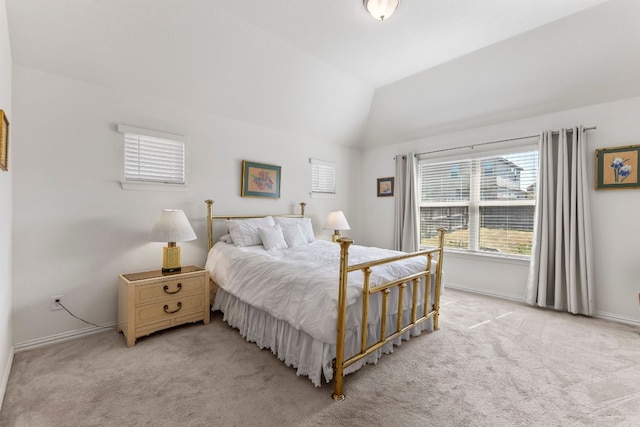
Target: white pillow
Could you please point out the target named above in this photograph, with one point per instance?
(244, 232)
(293, 235)
(272, 237)
(225, 238)
(304, 223)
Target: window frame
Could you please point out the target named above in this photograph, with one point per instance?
(317, 163)
(147, 184)
(474, 204)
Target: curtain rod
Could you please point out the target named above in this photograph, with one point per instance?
(555, 132)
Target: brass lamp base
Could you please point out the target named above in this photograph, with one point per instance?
(171, 258)
(335, 236)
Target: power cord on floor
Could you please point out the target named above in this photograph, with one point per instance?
(82, 320)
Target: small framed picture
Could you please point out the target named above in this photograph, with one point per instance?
(617, 167)
(260, 180)
(4, 141)
(385, 187)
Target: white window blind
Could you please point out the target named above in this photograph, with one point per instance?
(486, 204)
(153, 157)
(323, 177)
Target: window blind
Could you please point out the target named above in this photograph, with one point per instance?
(507, 202)
(153, 159)
(486, 204)
(323, 177)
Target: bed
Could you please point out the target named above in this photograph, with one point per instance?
(306, 299)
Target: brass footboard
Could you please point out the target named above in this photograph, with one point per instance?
(385, 288)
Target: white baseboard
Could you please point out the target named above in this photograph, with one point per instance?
(5, 376)
(65, 336)
(617, 318)
(483, 292)
(598, 314)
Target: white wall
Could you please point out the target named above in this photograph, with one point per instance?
(5, 210)
(614, 219)
(76, 229)
(198, 55)
(583, 59)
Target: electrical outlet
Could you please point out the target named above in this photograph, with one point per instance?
(54, 302)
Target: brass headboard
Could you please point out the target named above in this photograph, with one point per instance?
(211, 217)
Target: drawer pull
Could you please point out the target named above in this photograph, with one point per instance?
(166, 289)
(166, 308)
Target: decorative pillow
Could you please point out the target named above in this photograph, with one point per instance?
(226, 238)
(304, 223)
(244, 232)
(293, 235)
(272, 237)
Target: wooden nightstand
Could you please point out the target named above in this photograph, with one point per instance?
(152, 300)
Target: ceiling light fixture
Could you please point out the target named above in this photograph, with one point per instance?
(381, 9)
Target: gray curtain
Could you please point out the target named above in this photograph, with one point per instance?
(561, 270)
(405, 236)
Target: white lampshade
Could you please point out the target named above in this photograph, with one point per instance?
(381, 9)
(336, 221)
(172, 226)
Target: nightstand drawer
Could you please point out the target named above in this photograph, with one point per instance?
(168, 310)
(168, 289)
(150, 328)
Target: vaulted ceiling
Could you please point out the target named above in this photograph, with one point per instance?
(328, 70)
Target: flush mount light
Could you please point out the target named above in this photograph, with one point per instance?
(381, 9)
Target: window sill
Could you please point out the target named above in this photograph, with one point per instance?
(152, 186)
(502, 258)
(323, 195)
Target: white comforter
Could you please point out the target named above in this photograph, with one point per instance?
(300, 285)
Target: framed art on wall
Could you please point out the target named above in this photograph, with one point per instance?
(260, 180)
(617, 167)
(4, 141)
(385, 187)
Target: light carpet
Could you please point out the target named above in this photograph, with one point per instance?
(492, 363)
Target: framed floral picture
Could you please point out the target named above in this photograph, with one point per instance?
(617, 167)
(4, 141)
(385, 187)
(260, 180)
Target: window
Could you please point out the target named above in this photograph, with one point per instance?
(323, 178)
(486, 204)
(152, 157)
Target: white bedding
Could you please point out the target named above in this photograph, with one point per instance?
(289, 298)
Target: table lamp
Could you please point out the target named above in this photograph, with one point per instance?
(336, 221)
(172, 226)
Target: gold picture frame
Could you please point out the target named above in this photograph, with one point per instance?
(4, 141)
(617, 167)
(260, 180)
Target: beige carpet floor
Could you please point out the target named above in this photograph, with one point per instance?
(523, 367)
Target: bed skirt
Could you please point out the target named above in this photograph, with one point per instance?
(309, 356)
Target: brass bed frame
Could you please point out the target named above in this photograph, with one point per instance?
(340, 364)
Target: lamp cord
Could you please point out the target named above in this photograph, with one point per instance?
(82, 320)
